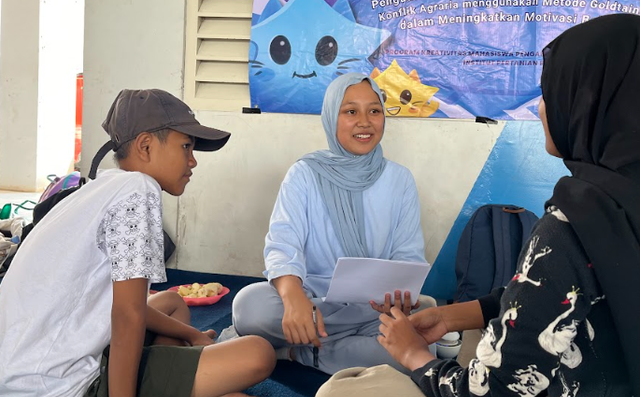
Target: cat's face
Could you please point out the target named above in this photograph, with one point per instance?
(296, 52)
(404, 94)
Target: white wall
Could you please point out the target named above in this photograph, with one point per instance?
(225, 211)
(221, 220)
(61, 37)
(19, 94)
(41, 47)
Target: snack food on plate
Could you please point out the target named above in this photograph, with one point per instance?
(197, 290)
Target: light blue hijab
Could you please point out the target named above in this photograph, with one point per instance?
(342, 176)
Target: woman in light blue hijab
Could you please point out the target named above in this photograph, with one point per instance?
(342, 176)
(348, 201)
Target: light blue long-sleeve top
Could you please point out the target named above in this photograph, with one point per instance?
(301, 239)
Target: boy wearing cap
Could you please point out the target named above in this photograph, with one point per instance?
(80, 282)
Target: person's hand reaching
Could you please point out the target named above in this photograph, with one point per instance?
(429, 324)
(402, 341)
(399, 303)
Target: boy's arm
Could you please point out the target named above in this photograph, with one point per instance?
(128, 318)
(164, 325)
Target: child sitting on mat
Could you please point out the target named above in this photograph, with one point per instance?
(73, 305)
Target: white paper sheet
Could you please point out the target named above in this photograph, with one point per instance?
(360, 280)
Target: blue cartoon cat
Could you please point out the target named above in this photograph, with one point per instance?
(299, 48)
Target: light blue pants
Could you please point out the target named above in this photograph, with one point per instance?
(352, 329)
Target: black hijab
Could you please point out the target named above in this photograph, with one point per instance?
(591, 87)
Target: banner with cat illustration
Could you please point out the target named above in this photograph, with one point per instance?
(431, 58)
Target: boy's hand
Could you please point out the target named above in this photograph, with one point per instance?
(203, 338)
(402, 341)
(398, 303)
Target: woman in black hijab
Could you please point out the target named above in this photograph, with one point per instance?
(591, 91)
(569, 321)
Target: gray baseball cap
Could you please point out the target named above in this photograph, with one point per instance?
(137, 111)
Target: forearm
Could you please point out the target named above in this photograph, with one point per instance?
(418, 359)
(124, 355)
(289, 288)
(462, 316)
(164, 325)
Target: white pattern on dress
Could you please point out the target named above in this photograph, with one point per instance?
(530, 381)
(569, 391)
(555, 211)
(598, 299)
(451, 381)
(489, 350)
(572, 357)
(529, 260)
(557, 338)
(478, 378)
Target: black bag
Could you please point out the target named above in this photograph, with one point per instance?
(489, 247)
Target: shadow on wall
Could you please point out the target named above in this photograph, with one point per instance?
(518, 171)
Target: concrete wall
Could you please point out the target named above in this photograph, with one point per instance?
(41, 53)
(224, 214)
(61, 38)
(19, 94)
(129, 44)
(221, 220)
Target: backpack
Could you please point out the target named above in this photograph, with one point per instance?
(489, 248)
(58, 183)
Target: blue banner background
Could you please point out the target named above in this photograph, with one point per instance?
(457, 59)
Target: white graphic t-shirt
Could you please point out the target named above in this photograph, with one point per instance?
(55, 301)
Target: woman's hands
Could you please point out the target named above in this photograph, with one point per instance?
(298, 325)
(402, 341)
(403, 305)
(298, 320)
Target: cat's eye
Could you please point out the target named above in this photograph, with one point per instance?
(326, 50)
(280, 50)
(405, 97)
(384, 95)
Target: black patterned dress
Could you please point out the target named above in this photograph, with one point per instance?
(553, 336)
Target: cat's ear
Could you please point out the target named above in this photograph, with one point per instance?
(414, 76)
(272, 7)
(343, 8)
(375, 73)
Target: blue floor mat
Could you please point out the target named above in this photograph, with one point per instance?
(289, 379)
